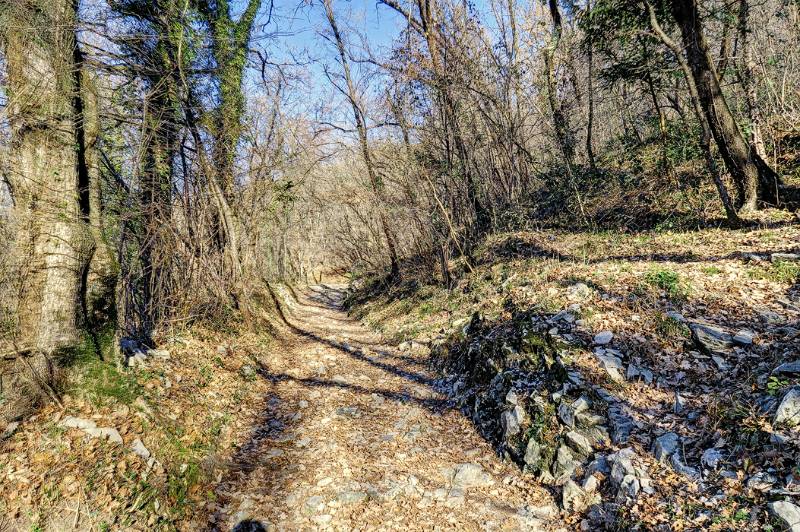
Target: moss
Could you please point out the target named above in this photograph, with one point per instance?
(100, 380)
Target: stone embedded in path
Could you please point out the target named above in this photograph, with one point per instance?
(351, 497)
(788, 368)
(665, 446)
(78, 423)
(711, 458)
(603, 337)
(744, 337)
(314, 504)
(711, 338)
(107, 433)
(470, 476)
(139, 449)
(788, 412)
(683, 469)
(612, 364)
(788, 513)
(785, 257)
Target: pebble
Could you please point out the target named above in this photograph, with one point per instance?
(603, 337)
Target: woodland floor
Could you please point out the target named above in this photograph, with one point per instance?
(324, 424)
(357, 437)
(334, 430)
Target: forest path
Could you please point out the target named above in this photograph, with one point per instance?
(354, 436)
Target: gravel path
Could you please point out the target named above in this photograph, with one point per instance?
(355, 437)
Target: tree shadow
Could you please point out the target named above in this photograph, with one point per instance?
(516, 247)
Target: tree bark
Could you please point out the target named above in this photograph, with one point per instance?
(755, 179)
(705, 139)
(48, 176)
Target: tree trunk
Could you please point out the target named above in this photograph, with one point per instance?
(561, 124)
(705, 139)
(755, 179)
(48, 182)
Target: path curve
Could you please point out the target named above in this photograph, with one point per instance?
(354, 436)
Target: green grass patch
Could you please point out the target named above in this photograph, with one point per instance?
(101, 381)
(669, 281)
(786, 272)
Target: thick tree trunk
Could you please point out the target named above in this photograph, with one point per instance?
(48, 180)
(755, 179)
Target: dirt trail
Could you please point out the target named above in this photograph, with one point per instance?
(354, 436)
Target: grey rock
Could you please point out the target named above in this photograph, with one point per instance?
(566, 414)
(621, 423)
(761, 481)
(576, 500)
(247, 372)
(512, 397)
(351, 497)
(711, 458)
(711, 338)
(564, 465)
(348, 411)
(744, 337)
(621, 465)
(590, 484)
(599, 465)
(770, 317)
(78, 423)
(470, 476)
(611, 364)
(512, 421)
(788, 368)
(628, 477)
(580, 405)
(683, 469)
(578, 292)
(533, 454)
(665, 446)
(546, 511)
(635, 371)
(785, 257)
(107, 433)
(314, 504)
(788, 412)
(161, 354)
(680, 403)
(629, 488)
(9, 430)
(787, 512)
(139, 449)
(578, 442)
(675, 315)
(588, 419)
(720, 362)
(603, 337)
(597, 435)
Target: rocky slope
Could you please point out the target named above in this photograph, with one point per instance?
(647, 384)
